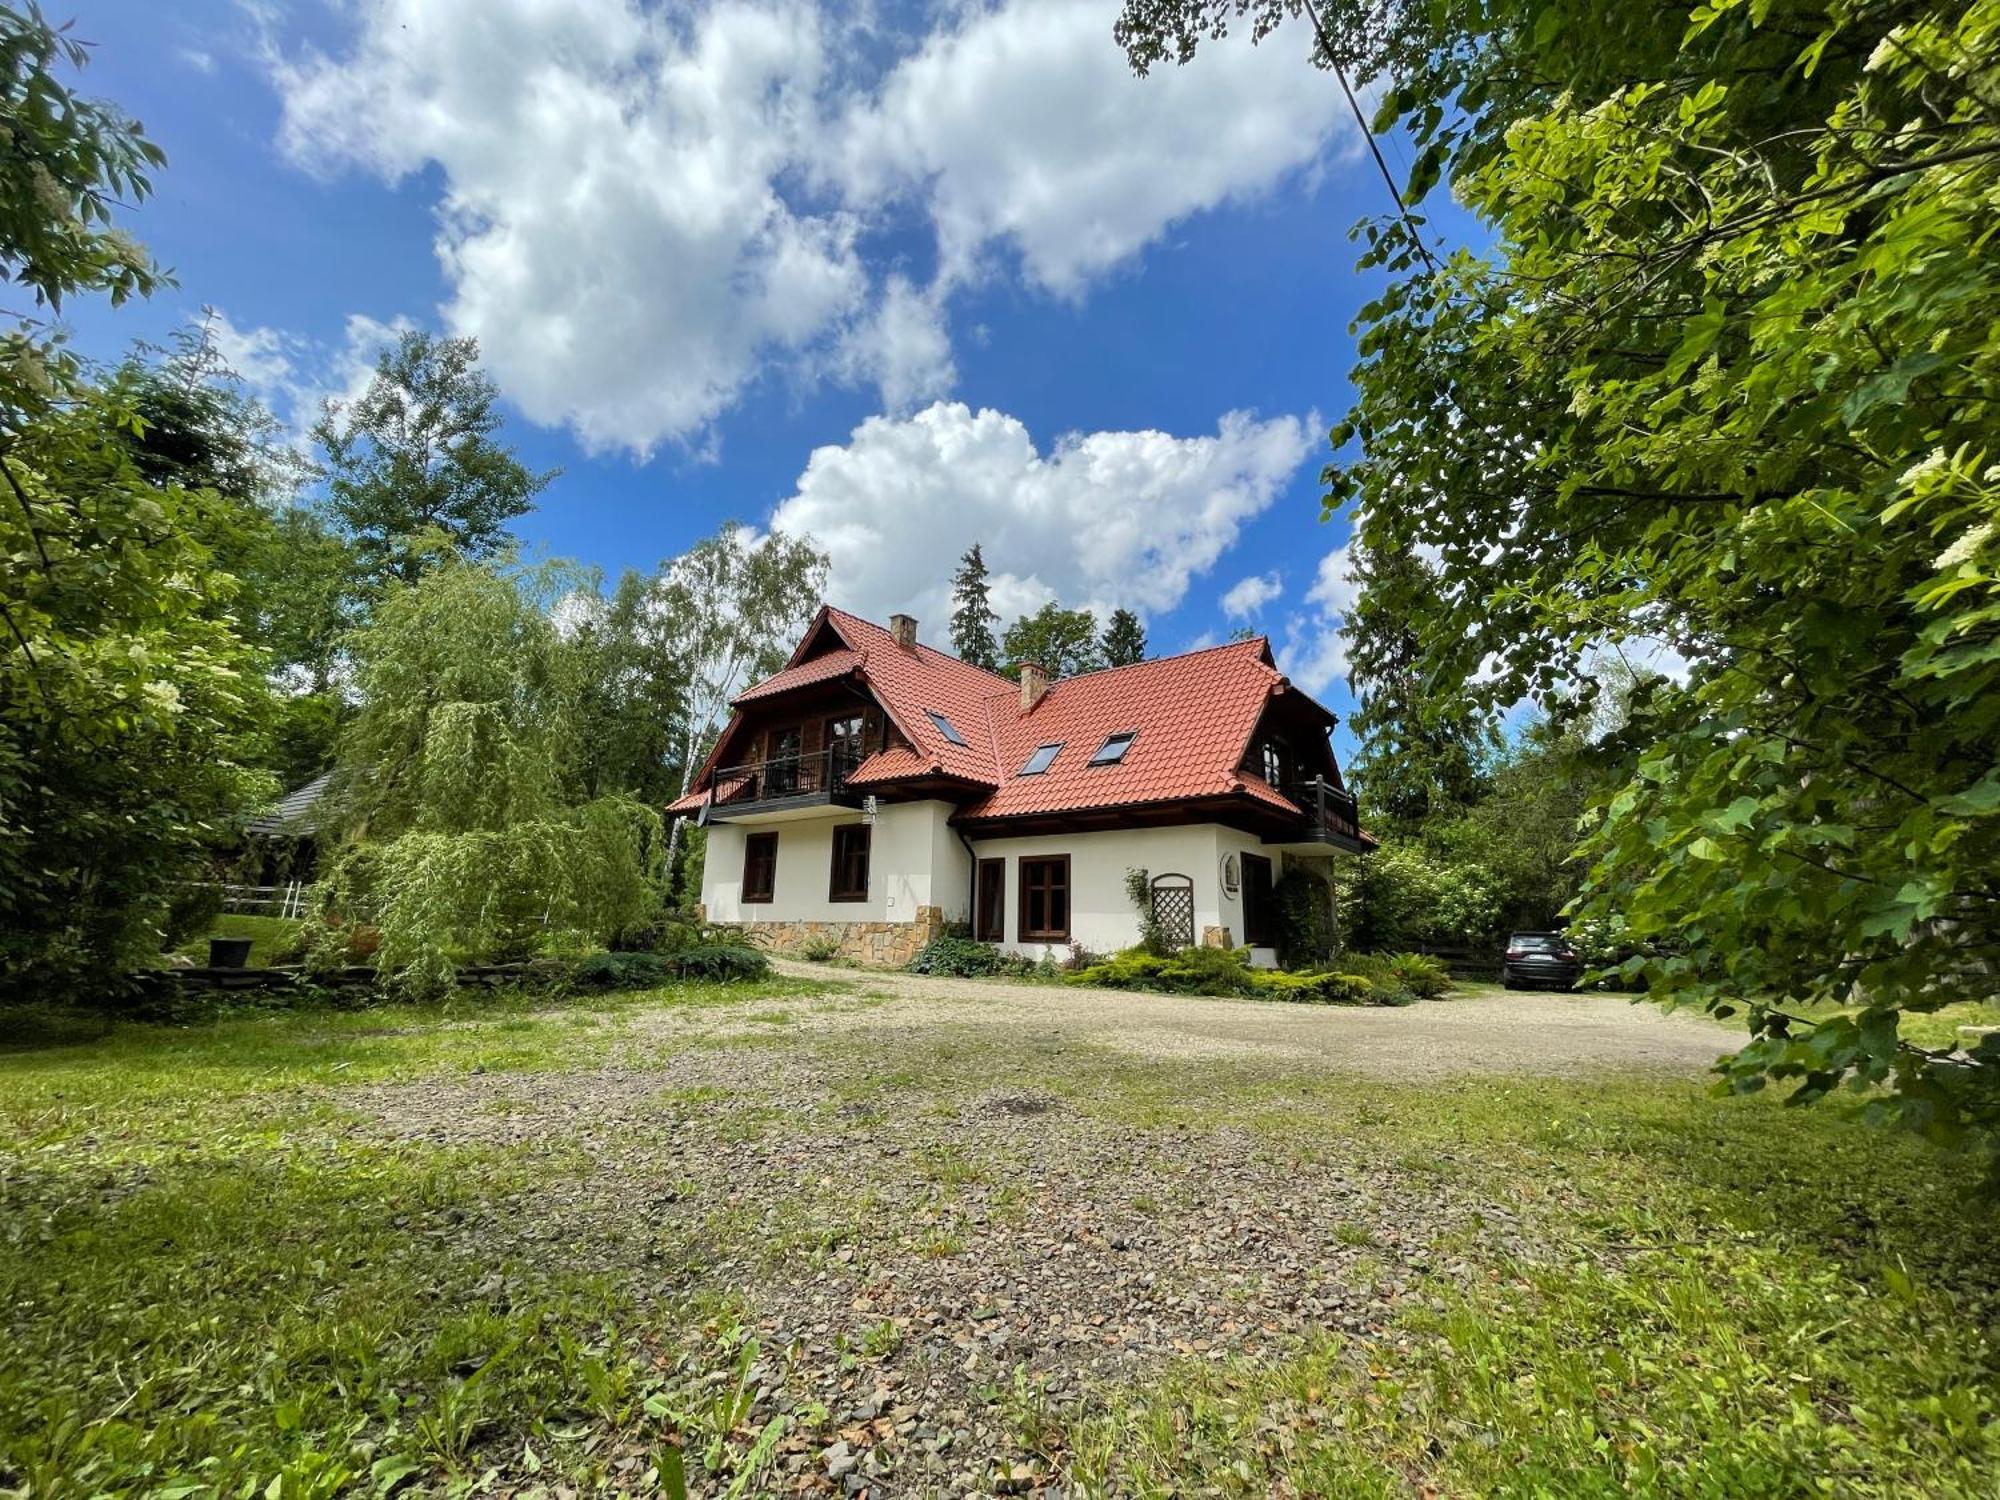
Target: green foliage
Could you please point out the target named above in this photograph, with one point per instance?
(130, 708)
(1307, 933)
(635, 695)
(820, 950)
(1406, 895)
(972, 616)
(619, 971)
(69, 163)
(1124, 640)
(1723, 384)
(1425, 753)
(1139, 891)
(1062, 640)
(1420, 974)
(956, 956)
(1192, 971)
(725, 961)
(469, 832)
(1225, 972)
(414, 472)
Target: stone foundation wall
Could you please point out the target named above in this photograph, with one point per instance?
(886, 945)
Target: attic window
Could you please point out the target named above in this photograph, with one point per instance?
(1042, 759)
(1114, 747)
(944, 726)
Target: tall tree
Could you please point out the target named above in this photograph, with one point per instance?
(467, 825)
(300, 579)
(732, 609)
(413, 467)
(1424, 752)
(637, 692)
(1724, 379)
(1062, 640)
(128, 701)
(130, 707)
(1124, 640)
(972, 616)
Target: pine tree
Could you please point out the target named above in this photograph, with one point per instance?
(1124, 640)
(972, 616)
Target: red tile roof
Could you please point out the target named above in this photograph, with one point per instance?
(1193, 715)
(819, 669)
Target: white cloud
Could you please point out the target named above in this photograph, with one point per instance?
(1101, 520)
(1023, 124)
(1314, 651)
(1251, 594)
(645, 211)
(296, 376)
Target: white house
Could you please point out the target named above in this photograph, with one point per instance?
(876, 789)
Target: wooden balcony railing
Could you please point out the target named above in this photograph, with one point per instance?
(785, 776)
(1329, 809)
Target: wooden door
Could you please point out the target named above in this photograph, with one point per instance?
(1258, 927)
(990, 922)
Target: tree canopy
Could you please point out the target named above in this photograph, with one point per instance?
(413, 467)
(1723, 386)
(1062, 640)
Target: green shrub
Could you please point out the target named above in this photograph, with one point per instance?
(662, 931)
(1420, 974)
(955, 956)
(819, 950)
(1316, 989)
(1192, 971)
(619, 971)
(1303, 906)
(723, 960)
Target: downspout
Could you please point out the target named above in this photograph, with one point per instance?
(971, 884)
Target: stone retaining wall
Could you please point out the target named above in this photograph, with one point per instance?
(887, 945)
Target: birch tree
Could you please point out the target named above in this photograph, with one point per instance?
(733, 605)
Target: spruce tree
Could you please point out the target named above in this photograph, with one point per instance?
(972, 616)
(1124, 640)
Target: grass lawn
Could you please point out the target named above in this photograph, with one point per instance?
(749, 1235)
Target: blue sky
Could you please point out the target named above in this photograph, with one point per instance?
(905, 280)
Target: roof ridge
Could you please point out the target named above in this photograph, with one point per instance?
(942, 655)
(1154, 661)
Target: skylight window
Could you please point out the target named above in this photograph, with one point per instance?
(944, 726)
(1042, 759)
(1114, 747)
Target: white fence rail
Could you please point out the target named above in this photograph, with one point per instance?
(288, 900)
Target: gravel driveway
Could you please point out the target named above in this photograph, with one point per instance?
(941, 1202)
(1484, 1031)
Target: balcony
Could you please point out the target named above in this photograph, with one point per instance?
(788, 785)
(1332, 818)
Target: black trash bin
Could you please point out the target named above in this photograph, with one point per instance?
(228, 953)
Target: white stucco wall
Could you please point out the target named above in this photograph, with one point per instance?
(1101, 914)
(914, 860)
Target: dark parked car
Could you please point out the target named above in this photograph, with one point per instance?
(1540, 960)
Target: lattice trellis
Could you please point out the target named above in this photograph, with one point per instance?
(1173, 910)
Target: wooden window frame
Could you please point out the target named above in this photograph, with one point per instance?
(994, 931)
(1022, 932)
(834, 890)
(767, 839)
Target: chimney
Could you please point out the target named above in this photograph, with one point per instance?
(1034, 683)
(904, 629)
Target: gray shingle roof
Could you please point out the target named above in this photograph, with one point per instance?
(298, 813)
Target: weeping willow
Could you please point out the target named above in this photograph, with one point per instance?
(464, 832)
